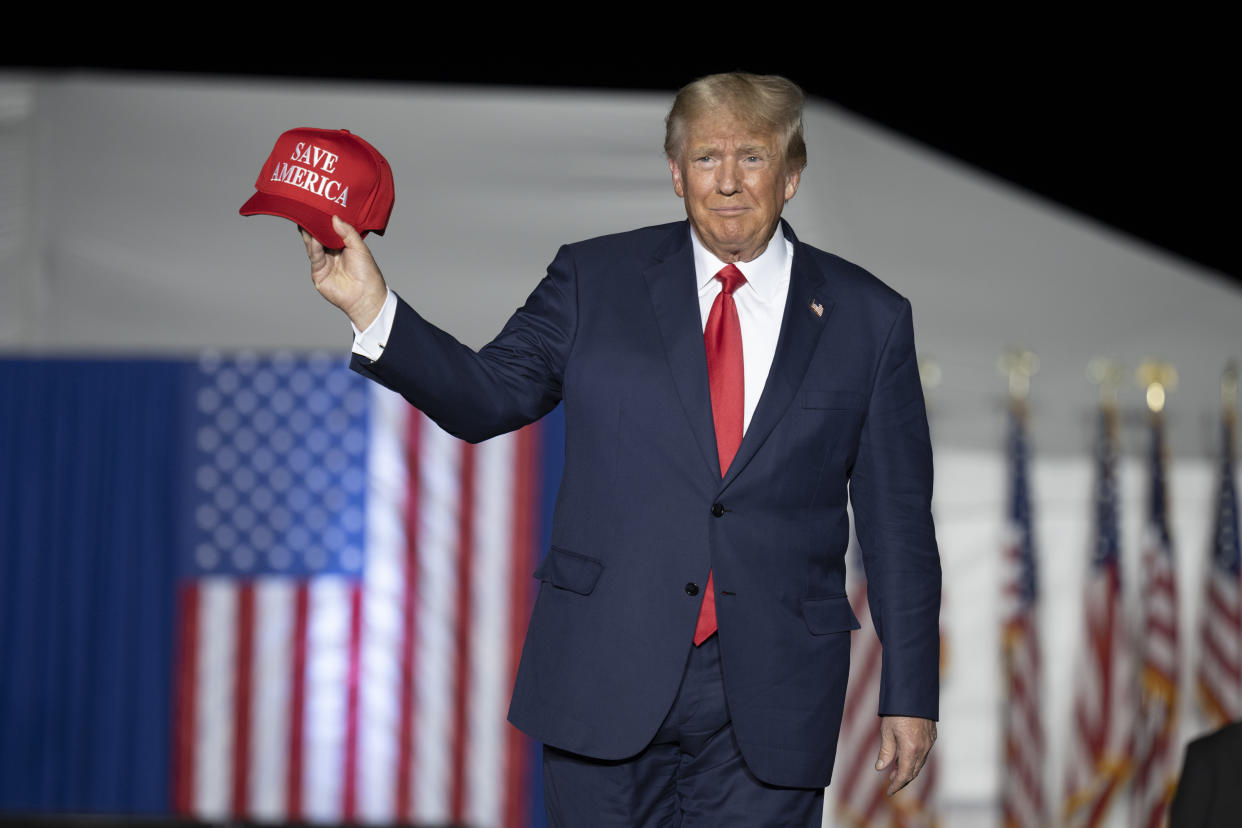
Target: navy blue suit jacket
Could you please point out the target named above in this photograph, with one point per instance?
(1208, 794)
(614, 332)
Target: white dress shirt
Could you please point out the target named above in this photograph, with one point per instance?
(370, 343)
(760, 308)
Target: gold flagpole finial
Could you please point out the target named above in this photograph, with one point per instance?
(1019, 365)
(1107, 374)
(1158, 378)
(929, 372)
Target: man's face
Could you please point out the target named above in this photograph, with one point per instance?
(734, 184)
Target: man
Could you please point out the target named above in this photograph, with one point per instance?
(1208, 794)
(686, 658)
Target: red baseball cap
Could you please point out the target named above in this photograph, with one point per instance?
(313, 174)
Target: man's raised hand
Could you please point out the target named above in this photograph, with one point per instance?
(348, 278)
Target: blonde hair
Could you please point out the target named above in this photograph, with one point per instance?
(764, 103)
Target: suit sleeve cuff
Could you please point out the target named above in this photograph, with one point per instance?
(371, 342)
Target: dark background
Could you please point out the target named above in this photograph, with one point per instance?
(1130, 122)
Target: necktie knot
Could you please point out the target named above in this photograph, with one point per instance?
(731, 278)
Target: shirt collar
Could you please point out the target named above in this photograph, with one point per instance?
(763, 273)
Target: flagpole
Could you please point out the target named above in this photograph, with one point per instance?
(1107, 375)
(1229, 394)
(1023, 799)
(1156, 743)
(1098, 759)
(1159, 379)
(1019, 365)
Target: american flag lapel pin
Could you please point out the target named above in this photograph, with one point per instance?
(817, 308)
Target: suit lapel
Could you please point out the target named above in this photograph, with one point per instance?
(800, 331)
(674, 297)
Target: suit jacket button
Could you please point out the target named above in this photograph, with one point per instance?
(717, 509)
(692, 588)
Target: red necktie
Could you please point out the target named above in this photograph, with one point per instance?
(725, 377)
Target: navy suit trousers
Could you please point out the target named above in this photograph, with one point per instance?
(692, 775)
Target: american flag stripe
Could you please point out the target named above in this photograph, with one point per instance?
(1022, 793)
(487, 637)
(325, 723)
(274, 600)
(376, 695)
(1024, 735)
(409, 615)
(1224, 602)
(297, 704)
(463, 623)
(242, 697)
(214, 677)
(1156, 760)
(440, 470)
(516, 810)
(859, 720)
(353, 682)
(185, 700)
(379, 697)
(1219, 675)
(1099, 762)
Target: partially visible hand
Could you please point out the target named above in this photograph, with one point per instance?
(348, 278)
(904, 743)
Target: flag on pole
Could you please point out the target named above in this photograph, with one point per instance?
(1022, 794)
(859, 789)
(356, 587)
(1220, 631)
(1157, 753)
(1098, 757)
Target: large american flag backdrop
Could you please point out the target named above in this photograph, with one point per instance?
(345, 608)
(1098, 763)
(1022, 781)
(1157, 750)
(357, 587)
(1220, 632)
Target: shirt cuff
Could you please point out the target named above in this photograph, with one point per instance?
(370, 343)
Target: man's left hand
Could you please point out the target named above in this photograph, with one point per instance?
(904, 744)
